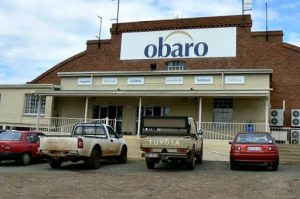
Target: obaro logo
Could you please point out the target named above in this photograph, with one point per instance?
(164, 49)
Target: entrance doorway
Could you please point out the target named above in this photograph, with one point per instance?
(112, 112)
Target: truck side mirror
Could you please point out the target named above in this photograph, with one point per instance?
(230, 142)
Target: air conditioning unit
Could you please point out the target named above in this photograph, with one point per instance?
(295, 136)
(276, 117)
(280, 136)
(295, 119)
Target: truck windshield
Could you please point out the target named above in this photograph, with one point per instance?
(10, 136)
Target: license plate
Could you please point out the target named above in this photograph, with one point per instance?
(151, 155)
(252, 148)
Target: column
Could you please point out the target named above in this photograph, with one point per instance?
(139, 116)
(38, 115)
(267, 114)
(200, 114)
(86, 108)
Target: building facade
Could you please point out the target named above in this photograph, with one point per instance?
(214, 69)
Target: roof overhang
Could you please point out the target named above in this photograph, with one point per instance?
(157, 93)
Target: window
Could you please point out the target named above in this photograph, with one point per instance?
(153, 111)
(223, 109)
(175, 65)
(90, 130)
(32, 138)
(111, 132)
(31, 104)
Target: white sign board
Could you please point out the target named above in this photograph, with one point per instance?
(204, 80)
(109, 80)
(247, 5)
(135, 80)
(84, 81)
(184, 43)
(234, 79)
(174, 80)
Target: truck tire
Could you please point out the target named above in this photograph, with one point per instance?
(25, 159)
(123, 155)
(55, 164)
(150, 163)
(199, 157)
(190, 163)
(95, 159)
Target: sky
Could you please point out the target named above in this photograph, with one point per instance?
(35, 35)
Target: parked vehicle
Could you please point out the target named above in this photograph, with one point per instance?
(89, 142)
(254, 148)
(19, 145)
(171, 139)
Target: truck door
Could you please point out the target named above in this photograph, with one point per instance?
(114, 142)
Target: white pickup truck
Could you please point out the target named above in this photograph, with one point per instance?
(89, 142)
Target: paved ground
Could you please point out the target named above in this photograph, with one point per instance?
(133, 180)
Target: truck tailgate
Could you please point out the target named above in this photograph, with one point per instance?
(165, 142)
(58, 143)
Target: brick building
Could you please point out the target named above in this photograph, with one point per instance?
(214, 69)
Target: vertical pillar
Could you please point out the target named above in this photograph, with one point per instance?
(86, 109)
(38, 115)
(200, 114)
(139, 116)
(267, 114)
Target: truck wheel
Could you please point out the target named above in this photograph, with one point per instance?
(199, 157)
(123, 156)
(55, 164)
(191, 161)
(150, 163)
(25, 159)
(95, 159)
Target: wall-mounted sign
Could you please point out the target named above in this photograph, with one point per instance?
(84, 81)
(174, 80)
(203, 80)
(109, 80)
(185, 43)
(135, 80)
(234, 79)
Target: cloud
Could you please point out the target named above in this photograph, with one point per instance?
(35, 35)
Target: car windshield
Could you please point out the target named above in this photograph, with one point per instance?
(10, 136)
(254, 138)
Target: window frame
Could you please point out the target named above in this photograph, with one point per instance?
(31, 105)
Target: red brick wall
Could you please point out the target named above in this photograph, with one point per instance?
(253, 51)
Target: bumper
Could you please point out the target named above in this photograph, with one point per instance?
(254, 158)
(9, 156)
(59, 154)
(165, 156)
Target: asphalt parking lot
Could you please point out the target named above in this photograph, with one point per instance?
(212, 179)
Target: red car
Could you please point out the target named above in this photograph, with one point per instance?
(254, 148)
(19, 145)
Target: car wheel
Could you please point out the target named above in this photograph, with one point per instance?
(150, 163)
(95, 159)
(25, 159)
(55, 164)
(275, 166)
(191, 161)
(232, 165)
(123, 156)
